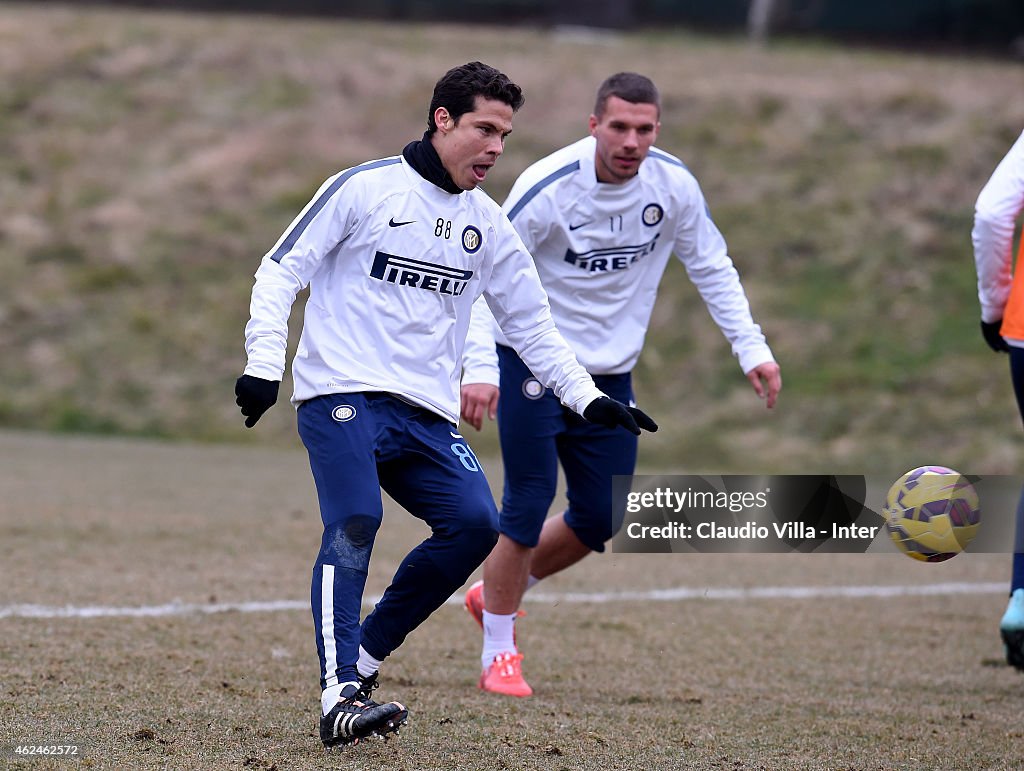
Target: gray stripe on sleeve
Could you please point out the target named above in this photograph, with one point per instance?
(296, 232)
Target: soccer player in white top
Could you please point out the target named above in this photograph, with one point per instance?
(1001, 294)
(394, 252)
(601, 218)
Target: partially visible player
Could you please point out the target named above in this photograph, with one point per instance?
(601, 218)
(1001, 293)
(394, 252)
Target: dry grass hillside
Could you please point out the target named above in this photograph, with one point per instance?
(148, 160)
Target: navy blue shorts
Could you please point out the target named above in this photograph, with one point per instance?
(537, 433)
(359, 443)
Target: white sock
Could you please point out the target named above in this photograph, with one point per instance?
(367, 664)
(331, 695)
(499, 636)
(531, 582)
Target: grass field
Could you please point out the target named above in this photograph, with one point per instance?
(714, 682)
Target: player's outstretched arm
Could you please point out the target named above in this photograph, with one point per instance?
(767, 381)
(254, 396)
(479, 399)
(609, 413)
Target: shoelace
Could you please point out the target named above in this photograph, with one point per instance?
(508, 664)
(366, 688)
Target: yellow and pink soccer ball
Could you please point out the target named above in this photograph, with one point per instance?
(932, 513)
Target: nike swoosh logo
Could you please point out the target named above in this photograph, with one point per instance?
(577, 227)
(393, 224)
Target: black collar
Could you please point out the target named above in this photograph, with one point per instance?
(422, 156)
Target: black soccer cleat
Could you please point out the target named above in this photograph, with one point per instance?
(356, 716)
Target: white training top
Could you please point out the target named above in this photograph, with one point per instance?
(601, 250)
(394, 264)
(999, 204)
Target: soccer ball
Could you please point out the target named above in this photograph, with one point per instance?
(932, 513)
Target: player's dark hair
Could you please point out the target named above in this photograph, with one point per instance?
(458, 89)
(633, 88)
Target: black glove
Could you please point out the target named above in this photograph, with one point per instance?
(609, 413)
(990, 331)
(255, 396)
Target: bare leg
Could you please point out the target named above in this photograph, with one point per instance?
(505, 572)
(558, 549)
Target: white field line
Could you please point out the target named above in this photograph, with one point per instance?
(552, 598)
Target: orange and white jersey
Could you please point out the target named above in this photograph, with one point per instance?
(995, 215)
